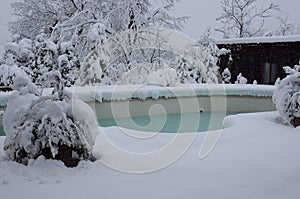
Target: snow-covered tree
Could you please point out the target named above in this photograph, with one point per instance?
(226, 76)
(69, 20)
(40, 16)
(240, 79)
(46, 52)
(54, 126)
(285, 27)
(68, 64)
(243, 18)
(287, 96)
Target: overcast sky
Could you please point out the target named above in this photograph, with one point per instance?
(203, 15)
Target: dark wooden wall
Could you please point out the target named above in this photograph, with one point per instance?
(263, 62)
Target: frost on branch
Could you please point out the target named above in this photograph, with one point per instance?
(287, 96)
(52, 126)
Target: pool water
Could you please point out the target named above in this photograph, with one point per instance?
(174, 123)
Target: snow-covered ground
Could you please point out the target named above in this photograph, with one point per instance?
(255, 157)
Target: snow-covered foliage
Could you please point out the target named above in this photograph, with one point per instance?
(106, 64)
(68, 20)
(287, 95)
(226, 75)
(151, 74)
(41, 56)
(19, 52)
(54, 126)
(9, 73)
(240, 79)
(200, 63)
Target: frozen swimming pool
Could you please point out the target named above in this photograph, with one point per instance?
(172, 123)
(172, 109)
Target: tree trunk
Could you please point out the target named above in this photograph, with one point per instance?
(296, 121)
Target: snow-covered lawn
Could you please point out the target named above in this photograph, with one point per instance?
(256, 157)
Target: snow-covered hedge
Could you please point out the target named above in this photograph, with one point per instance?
(287, 96)
(54, 126)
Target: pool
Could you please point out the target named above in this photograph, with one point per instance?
(172, 123)
(187, 108)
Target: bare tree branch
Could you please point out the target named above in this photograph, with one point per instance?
(239, 18)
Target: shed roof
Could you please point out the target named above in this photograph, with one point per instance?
(258, 40)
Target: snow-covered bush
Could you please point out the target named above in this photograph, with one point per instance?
(151, 74)
(287, 96)
(20, 53)
(41, 56)
(240, 79)
(9, 73)
(226, 76)
(54, 126)
(200, 63)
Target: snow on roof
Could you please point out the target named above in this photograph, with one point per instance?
(258, 40)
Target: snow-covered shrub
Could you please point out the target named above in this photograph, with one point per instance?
(42, 55)
(54, 126)
(201, 63)
(287, 96)
(226, 76)
(9, 73)
(151, 74)
(240, 79)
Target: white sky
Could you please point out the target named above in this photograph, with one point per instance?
(203, 15)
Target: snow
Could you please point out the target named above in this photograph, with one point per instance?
(258, 40)
(143, 92)
(255, 157)
(241, 79)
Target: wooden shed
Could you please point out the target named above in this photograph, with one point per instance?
(260, 58)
